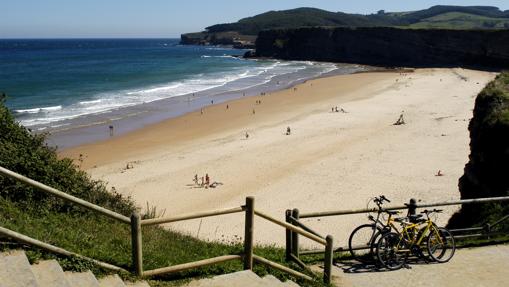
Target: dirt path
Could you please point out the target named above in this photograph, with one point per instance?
(483, 266)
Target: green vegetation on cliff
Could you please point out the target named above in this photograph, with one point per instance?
(448, 17)
(76, 229)
(486, 174)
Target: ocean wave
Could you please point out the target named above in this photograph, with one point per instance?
(91, 102)
(223, 56)
(39, 110)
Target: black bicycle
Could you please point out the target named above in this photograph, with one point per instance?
(363, 239)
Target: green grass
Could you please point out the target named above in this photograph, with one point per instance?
(460, 20)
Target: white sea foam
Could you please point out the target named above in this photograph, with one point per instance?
(223, 56)
(92, 102)
(39, 110)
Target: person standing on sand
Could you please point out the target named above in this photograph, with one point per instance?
(288, 131)
(195, 179)
(111, 131)
(207, 180)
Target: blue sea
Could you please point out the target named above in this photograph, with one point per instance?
(58, 85)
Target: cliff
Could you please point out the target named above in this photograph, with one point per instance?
(486, 174)
(386, 46)
(230, 38)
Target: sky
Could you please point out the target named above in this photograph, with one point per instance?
(169, 18)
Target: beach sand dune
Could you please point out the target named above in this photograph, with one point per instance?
(330, 161)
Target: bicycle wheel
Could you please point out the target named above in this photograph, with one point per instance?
(389, 251)
(441, 245)
(376, 238)
(361, 241)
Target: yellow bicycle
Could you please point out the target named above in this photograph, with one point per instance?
(417, 234)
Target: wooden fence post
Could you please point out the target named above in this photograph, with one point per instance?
(289, 235)
(327, 264)
(295, 235)
(136, 244)
(248, 234)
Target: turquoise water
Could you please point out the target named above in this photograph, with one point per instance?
(64, 83)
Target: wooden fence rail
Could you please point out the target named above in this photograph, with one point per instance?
(292, 228)
(155, 221)
(63, 195)
(191, 265)
(421, 205)
(34, 242)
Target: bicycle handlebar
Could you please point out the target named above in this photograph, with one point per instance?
(382, 198)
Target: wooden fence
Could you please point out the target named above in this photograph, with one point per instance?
(136, 224)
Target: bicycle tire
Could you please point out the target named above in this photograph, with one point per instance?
(362, 236)
(388, 251)
(443, 251)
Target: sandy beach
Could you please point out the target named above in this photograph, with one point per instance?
(330, 161)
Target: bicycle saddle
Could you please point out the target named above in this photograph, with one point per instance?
(392, 212)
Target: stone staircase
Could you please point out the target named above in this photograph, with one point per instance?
(16, 271)
(241, 279)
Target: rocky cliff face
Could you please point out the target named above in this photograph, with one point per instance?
(388, 46)
(221, 38)
(487, 172)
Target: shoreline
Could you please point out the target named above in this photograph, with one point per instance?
(94, 127)
(330, 161)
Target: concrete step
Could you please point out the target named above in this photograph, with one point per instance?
(270, 280)
(290, 283)
(111, 281)
(137, 284)
(83, 279)
(49, 274)
(15, 270)
(238, 279)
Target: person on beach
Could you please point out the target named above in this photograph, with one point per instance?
(111, 131)
(288, 131)
(202, 181)
(247, 135)
(401, 120)
(227, 106)
(195, 179)
(207, 180)
(254, 111)
(201, 111)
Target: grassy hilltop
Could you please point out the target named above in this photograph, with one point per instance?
(436, 17)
